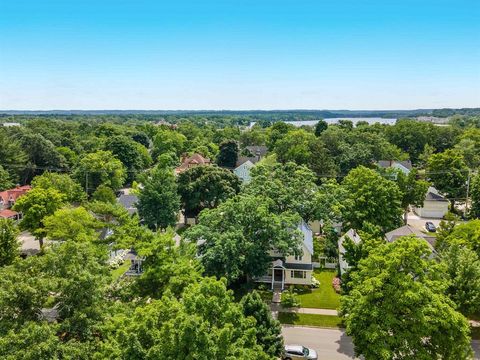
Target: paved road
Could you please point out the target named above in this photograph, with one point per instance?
(331, 344)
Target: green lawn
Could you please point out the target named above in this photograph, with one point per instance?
(323, 297)
(116, 273)
(330, 321)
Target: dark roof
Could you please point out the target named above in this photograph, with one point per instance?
(433, 194)
(294, 266)
(129, 202)
(243, 159)
(390, 163)
(258, 150)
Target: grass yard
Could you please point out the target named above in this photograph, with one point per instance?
(323, 297)
(122, 269)
(330, 321)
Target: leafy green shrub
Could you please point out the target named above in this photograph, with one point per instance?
(290, 299)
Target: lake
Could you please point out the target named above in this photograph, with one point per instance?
(370, 120)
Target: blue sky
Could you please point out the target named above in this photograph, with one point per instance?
(299, 54)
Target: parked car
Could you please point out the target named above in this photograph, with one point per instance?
(294, 352)
(430, 227)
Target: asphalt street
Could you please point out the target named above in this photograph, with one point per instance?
(331, 344)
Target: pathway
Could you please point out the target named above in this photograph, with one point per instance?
(279, 308)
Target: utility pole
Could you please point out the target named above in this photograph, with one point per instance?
(468, 190)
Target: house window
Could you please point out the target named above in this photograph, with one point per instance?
(295, 274)
(298, 257)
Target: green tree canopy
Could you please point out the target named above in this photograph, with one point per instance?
(204, 187)
(269, 330)
(238, 235)
(63, 183)
(100, 168)
(5, 180)
(133, 155)
(228, 155)
(9, 245)
(371, 199)
(397, 308)
(449, 174)
(36, 205)
(290, 187)
(320, 127)
(71, 224)
(159, 201)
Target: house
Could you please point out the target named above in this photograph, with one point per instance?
(408, 230)
(257, 151)
(353, 235)
(405, 165)
(8, 199)
(243, 166)
(129, 202)
(293, 269)
(11, 124)
(188, 162)
(434, 206)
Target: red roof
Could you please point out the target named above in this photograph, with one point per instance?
(10, 196)
(194, 160)
(7, 214)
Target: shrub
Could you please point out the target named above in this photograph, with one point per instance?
(336, 283)
(289, 299)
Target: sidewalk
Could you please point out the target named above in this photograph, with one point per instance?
(278, 308)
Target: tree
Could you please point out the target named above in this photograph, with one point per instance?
(100, 168)
(204, 187)
(371, 199)
(320, 127)
(167, 141)
(449, 174)
(104, 194)
(295, 146)
(463, 270)
(63, 183)
(329, 202)
(12, 155)
(269, 330)
(239, 234)
(133, 155)
(228, 154)
(71, 224)
(397, 308)
(466, 235)
(35, 206)
(159, 202)
(411, 136)
(167, 267)
(9, 245)
(475, 197)
(413, 190)
(206, 323)
(5, 180)
(276, 132)
(289, 187)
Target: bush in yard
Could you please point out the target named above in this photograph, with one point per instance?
(289, 299)
(336, 283)
(315, 282)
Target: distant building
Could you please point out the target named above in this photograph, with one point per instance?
(352, 235)
(11, 124)
(435, 205)
(257, 151)
(8, 199)
(408, 230)
(243, 166)
(403, 165)
(129, 202)
(188, 162)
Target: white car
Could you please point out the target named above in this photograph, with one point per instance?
(294, 352)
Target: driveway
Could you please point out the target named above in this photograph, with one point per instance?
(332, 344)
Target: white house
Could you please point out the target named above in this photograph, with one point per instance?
(242, 168)
(434, 206)
(353, 235)
(293, 269)
(404, 166)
